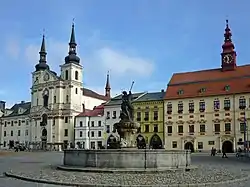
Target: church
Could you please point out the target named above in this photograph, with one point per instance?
(47, 122)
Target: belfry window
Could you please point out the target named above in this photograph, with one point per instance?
(66, 75)
(76, 75)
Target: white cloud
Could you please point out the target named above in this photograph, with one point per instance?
(120, 63)
(13, 48)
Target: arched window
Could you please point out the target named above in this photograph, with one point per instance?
(54, 99)
(66, 75)
(76, 91)
(45, 100)
(76, 75)
(67, 99)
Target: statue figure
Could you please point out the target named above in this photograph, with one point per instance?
(127, 107)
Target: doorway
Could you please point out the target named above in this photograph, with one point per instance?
(227, 146)
(141, 143)
(189, 146)
(155, 142)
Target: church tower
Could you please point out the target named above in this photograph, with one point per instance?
(107, 87)
(228, 55)
(71, 73)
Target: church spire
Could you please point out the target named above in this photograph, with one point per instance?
(107, 87)
(228, 55)
(42, 65)
(72, 57)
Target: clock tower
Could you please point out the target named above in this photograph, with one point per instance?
(228, 55)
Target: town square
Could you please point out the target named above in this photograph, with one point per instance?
(121, 94)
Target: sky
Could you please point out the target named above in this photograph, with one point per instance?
(145, 41)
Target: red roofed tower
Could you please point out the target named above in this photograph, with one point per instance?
(228, 55)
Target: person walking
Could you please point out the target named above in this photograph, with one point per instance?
(224, 155)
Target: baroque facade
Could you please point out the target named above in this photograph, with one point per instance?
(55, 101)
(209, 108)
(148, 111)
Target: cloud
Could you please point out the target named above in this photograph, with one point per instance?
(121, 64)
(13, 48)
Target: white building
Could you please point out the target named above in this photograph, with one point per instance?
(90, 128)
(55, 101)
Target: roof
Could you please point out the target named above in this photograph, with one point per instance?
(213, 82)
(118, 99)
(24, 105)
(97, 111)
(154, 96)
(90, 93)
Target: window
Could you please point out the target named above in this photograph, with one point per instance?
(76, 91)
(19, 122)
(155, 128)
(227, 88)
(180, 129)
(216, 105)
(4, 133)
(138, 116)
(227, 127)
(5, 123)
(99, 144)
(66, 75)
(202, 90)
(108, 115)
(108, 129)
(180, 108)
(27, 122)
(99, 133)
(54, 101)
(174, 144)
(191, 128)
(202, 106)
(54, 121)
(26, 132)
(88, 133)
(210, 142)
(19, 133)
(45, 100)
(170, 130)
(114, 114)
(202, 128)
(92, 123)
(37, 102)
(180, 92)
(99, 123)
(169, 108)
(146, 116)
(80, 134)
(66, 119)
(92, 145)
(191, 107)
(242, 127)
(92, 134)
(155, 115)
(226, 104)
(76, 75)
(200, 145)
(242, 103)
(67, 99)
(11, 133)
(12, 123)
(146, 128)
(65, 132)
(216, 127)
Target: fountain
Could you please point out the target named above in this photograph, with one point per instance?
(125, 155)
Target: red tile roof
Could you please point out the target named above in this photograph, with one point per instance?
(91, 93)
(97, 111)
(213, 81)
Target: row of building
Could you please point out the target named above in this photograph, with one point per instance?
(198, 110)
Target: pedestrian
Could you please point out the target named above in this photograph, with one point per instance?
(224, 155)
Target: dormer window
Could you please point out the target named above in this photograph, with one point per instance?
(180, 92)
(202, 90)
(227, 88)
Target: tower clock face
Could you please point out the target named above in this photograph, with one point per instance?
(46, 77)
(228, 59)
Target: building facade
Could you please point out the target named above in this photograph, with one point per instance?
(148, 111)
(90, 128)
(209, 108)
(57, 99)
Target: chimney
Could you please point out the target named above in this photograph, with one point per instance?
(2, 105)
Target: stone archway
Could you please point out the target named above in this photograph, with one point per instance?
(189, 146)
(227, 146)
(141, 142)
(155, 142)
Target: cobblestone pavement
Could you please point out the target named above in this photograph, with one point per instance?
(36, 165)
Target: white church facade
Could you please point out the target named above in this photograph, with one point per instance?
(55, 101)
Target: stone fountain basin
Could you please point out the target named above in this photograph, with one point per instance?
(158, 159)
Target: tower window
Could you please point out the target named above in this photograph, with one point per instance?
(76, 91)
(76, 75)
(45, 100)
(66, 75)
(54, 99)
(67, 99)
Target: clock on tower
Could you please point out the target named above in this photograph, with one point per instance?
(228, 55)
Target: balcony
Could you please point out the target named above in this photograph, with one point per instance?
(202, 133)
(227, 132)
(216, 132)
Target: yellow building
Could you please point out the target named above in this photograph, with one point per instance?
(209, 108)
(148, 111)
